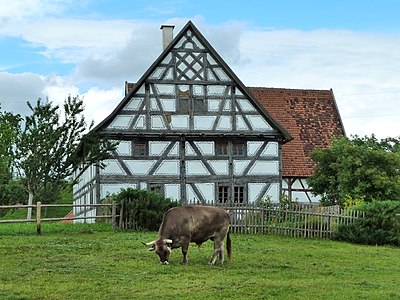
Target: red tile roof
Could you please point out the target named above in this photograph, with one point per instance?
(310, 116)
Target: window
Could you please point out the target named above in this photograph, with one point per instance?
(238, 194)
(184, 96)
(223, 193)
(183, 106)
(154, 187)
(221, 148)
(199, 105)
(140, 148)
(238, 148)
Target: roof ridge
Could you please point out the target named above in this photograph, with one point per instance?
(289, 89)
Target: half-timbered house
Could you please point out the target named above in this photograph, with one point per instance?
(191, 130)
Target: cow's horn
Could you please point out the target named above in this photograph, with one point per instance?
(168, 241)
(149, 243)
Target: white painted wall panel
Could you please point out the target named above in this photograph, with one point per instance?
(225, 123)
(254, 190)
(203, 122)
(124, 148)
(196, 167)
(264, 167)
(272, 149)
(168, 167)
(273, 192)
(173, 191)
(220, 167)
(140, 167)
(180, 122)
(239, 166)
(206, 148)
(259, 123)
(112, 168)
(207, 190)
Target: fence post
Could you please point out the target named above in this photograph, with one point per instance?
(38, 217)
(113, 215)
(121, 214)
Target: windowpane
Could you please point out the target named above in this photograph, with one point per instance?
(221, 148)
(223, 194)
(238, 194)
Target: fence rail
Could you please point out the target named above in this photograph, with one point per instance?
(38, 206)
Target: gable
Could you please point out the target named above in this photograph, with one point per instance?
(189, 89)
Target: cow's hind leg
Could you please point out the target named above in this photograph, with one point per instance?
(185, 249)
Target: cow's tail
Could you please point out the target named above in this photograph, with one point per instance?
(229, 247)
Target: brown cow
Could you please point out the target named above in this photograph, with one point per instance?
(197, 224)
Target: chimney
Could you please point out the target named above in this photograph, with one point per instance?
(168, 34)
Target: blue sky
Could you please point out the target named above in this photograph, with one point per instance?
(90, 47)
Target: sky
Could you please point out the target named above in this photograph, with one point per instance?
(53, 49)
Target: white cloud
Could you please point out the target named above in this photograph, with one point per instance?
(99, 103)
(23, 9)
(18, 89)
(361, 68)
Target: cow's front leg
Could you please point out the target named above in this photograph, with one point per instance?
(185, 248)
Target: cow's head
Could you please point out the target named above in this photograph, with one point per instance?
(163, 249)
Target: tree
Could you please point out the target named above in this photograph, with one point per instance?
(9, 129)
(49, 149)
(357, 168)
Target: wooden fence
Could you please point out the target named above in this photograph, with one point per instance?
(309, 221)
(38, 219)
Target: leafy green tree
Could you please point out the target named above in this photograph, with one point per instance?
(9, 129)
(50, 148)
(357, 168)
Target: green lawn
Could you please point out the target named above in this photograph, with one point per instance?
(92, 262)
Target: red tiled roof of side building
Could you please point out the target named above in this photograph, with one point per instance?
(310, 116)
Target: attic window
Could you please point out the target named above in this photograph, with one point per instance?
(238, 148)
(184, 96)
(140, 148)
(199, 105)
(221, 148)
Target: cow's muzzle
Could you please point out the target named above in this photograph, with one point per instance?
(164, 262)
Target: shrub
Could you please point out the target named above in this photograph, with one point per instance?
(381, 225)
(142, 209)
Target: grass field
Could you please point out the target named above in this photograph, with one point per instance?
(92, 262)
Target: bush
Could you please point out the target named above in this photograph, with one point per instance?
(142, 209)
(381, 225)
